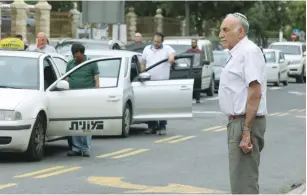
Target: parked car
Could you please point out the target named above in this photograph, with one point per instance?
(64, 45)
(38, 105)
(276, 67)
(220, 59)
(294, 52)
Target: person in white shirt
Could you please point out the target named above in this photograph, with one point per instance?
(42, 45)
(242, 97)
(152, 54)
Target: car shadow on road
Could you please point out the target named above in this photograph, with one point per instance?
(58, 148)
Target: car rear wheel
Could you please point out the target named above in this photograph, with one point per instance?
(277, 83)
(301, 78)
(36, 147)
(126, 121)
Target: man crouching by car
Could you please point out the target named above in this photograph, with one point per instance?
(85, 77)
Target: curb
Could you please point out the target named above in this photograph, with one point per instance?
(299, 190)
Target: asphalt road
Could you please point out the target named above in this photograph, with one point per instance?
(191, 158)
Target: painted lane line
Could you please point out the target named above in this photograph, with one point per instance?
(181, 139)
(283, 114)
(212, 128)
(168, 139)
(131, 153)
(221, 129)
(293, 110)
(7, 185)
(57, 172)
(115, 153)
(300, 116)
(274, 114)
(39, 172)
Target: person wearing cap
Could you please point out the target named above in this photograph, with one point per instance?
(85, 77)
(242, 97)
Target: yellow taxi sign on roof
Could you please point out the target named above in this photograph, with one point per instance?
(12, 44)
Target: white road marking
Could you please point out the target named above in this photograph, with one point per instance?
(274, 88)
(296, 93)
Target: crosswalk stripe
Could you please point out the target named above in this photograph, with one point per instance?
(7, 185)
(168, 139)
(115, 153)
(212, 128)
(57, 172)
(181, 139)
(131, 153)
(39, 172)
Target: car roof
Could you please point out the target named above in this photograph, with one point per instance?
(288, 43)
(184, 41)
(119, 53)
(27, 54)
(269, 50)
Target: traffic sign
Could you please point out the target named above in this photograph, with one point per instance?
(293, 37)
(296, 31)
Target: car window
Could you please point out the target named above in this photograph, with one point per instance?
(61, 64)
(270, 57)
(180, 48)
(14, 74)
(66, 47)
(287, 49)
(220, 58)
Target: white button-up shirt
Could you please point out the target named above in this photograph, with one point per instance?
(152, 55)
(245, 64)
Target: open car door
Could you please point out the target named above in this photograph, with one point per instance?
(162, 99)
(89, 111)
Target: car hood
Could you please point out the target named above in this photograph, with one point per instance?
(293, 59)
(10, 98)
(107, 82)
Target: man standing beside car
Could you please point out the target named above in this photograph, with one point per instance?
(85, 77)
(152, 54)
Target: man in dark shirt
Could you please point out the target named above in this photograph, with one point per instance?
(85, 77)
(194, 48)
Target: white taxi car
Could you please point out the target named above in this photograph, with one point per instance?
(36, 104)
(276, 67)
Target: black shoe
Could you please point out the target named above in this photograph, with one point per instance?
(73, 153)
(197, 101)
(162, 131)
(86, 154)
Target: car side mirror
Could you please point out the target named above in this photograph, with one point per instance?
(281, 60)
(62, 85)
(144, 76)
(206, 62)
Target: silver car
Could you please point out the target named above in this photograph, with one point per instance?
(220, 58)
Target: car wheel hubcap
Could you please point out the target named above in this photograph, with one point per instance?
(39, 138)
(127, 121)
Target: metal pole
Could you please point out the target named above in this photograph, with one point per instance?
(187, 18)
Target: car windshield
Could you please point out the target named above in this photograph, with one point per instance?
(66, 47)
(19, 72)
(270, 56)
(287, 49)
(180, 48)
(220, 58)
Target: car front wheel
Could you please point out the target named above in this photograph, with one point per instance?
(126, 121)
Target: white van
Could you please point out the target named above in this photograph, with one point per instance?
(182, 44)
(295, 53)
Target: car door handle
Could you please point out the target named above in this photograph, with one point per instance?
(113, 99)
(184, 88)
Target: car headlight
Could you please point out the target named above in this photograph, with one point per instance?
(10, 115)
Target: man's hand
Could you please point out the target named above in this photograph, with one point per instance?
(97, 83)
(171, 59)
(246, 144)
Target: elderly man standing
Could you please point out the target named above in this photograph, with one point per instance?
(242, 97)
(137, 42)
(151, 55)
(42, 45)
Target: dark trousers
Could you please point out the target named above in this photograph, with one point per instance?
(157, 124)
(244, 168)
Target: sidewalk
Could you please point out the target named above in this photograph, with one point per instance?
(299, 190)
